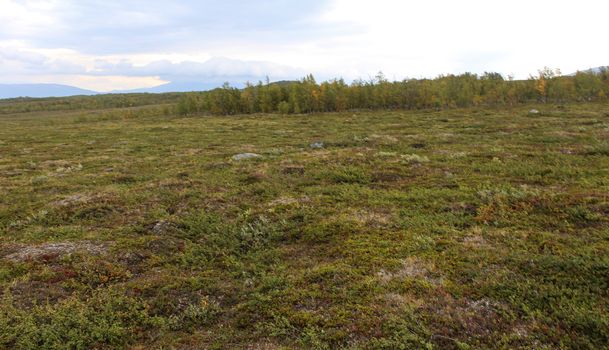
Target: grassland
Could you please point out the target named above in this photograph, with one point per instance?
(464, 229)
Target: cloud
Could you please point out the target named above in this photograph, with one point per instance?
(26, 19)
(18, 60)
(15, 60)
(112, 27)
(216, 69)
(190, 40)
(425, 38)
(167, 41)
(26, 57)
(213, 69)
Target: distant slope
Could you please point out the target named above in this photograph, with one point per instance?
(58, 90)
(41, 90)
(174, 87)
(188, 86)
(595, 70)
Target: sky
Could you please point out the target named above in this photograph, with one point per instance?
(118, 45)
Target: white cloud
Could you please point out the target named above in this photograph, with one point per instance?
(27, 18)
(183, 40)
(19, 63)
(413, 38)
(214, 69)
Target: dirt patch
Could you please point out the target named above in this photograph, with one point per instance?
(384, 177)
(471, 319)
(475, 241)
(263, 346)
(58, 167)
(293, 170)
(28, 294)
(462, 208)
(53, 164)
(51, 251)
(384, 138)
(165, 246)
(322, 154)
(288, 201)
(78, 198)
(418, 145)
(412, 267)
(563, 133)
(173, 184)
(371, 218)
(189, 152)
(397, 301)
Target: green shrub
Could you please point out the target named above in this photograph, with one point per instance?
(107, 318)
(283, 107)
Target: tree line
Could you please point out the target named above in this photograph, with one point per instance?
(445, 91)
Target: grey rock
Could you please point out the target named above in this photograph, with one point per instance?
(54, 250)
(317, 145)
(162, 227)
(243, 156)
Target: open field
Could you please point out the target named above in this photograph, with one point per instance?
(465, 229)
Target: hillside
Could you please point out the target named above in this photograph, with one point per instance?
(40, 90)
(465, 228)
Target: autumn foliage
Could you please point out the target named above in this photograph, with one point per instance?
(446, 91)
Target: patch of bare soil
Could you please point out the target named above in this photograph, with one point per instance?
(412, 267)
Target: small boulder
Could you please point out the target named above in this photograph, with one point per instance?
(50, 251)
(316, 145)
(244, 156)
(162, 227)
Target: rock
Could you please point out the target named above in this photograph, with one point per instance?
(414, 159)
(243, 156)
(51, 251)
(316, 145)
(132, 259)
(534, 111)
(162, 227)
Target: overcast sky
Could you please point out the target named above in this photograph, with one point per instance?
(107, 45)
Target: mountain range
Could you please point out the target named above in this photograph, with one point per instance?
(181, 86)
(59, 90)
(41, 90)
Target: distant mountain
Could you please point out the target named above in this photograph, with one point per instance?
(41, 90)
(592, 70)
(189, 86)
(285, 82)
(178, 86)
(57, 90)
(597, 69)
